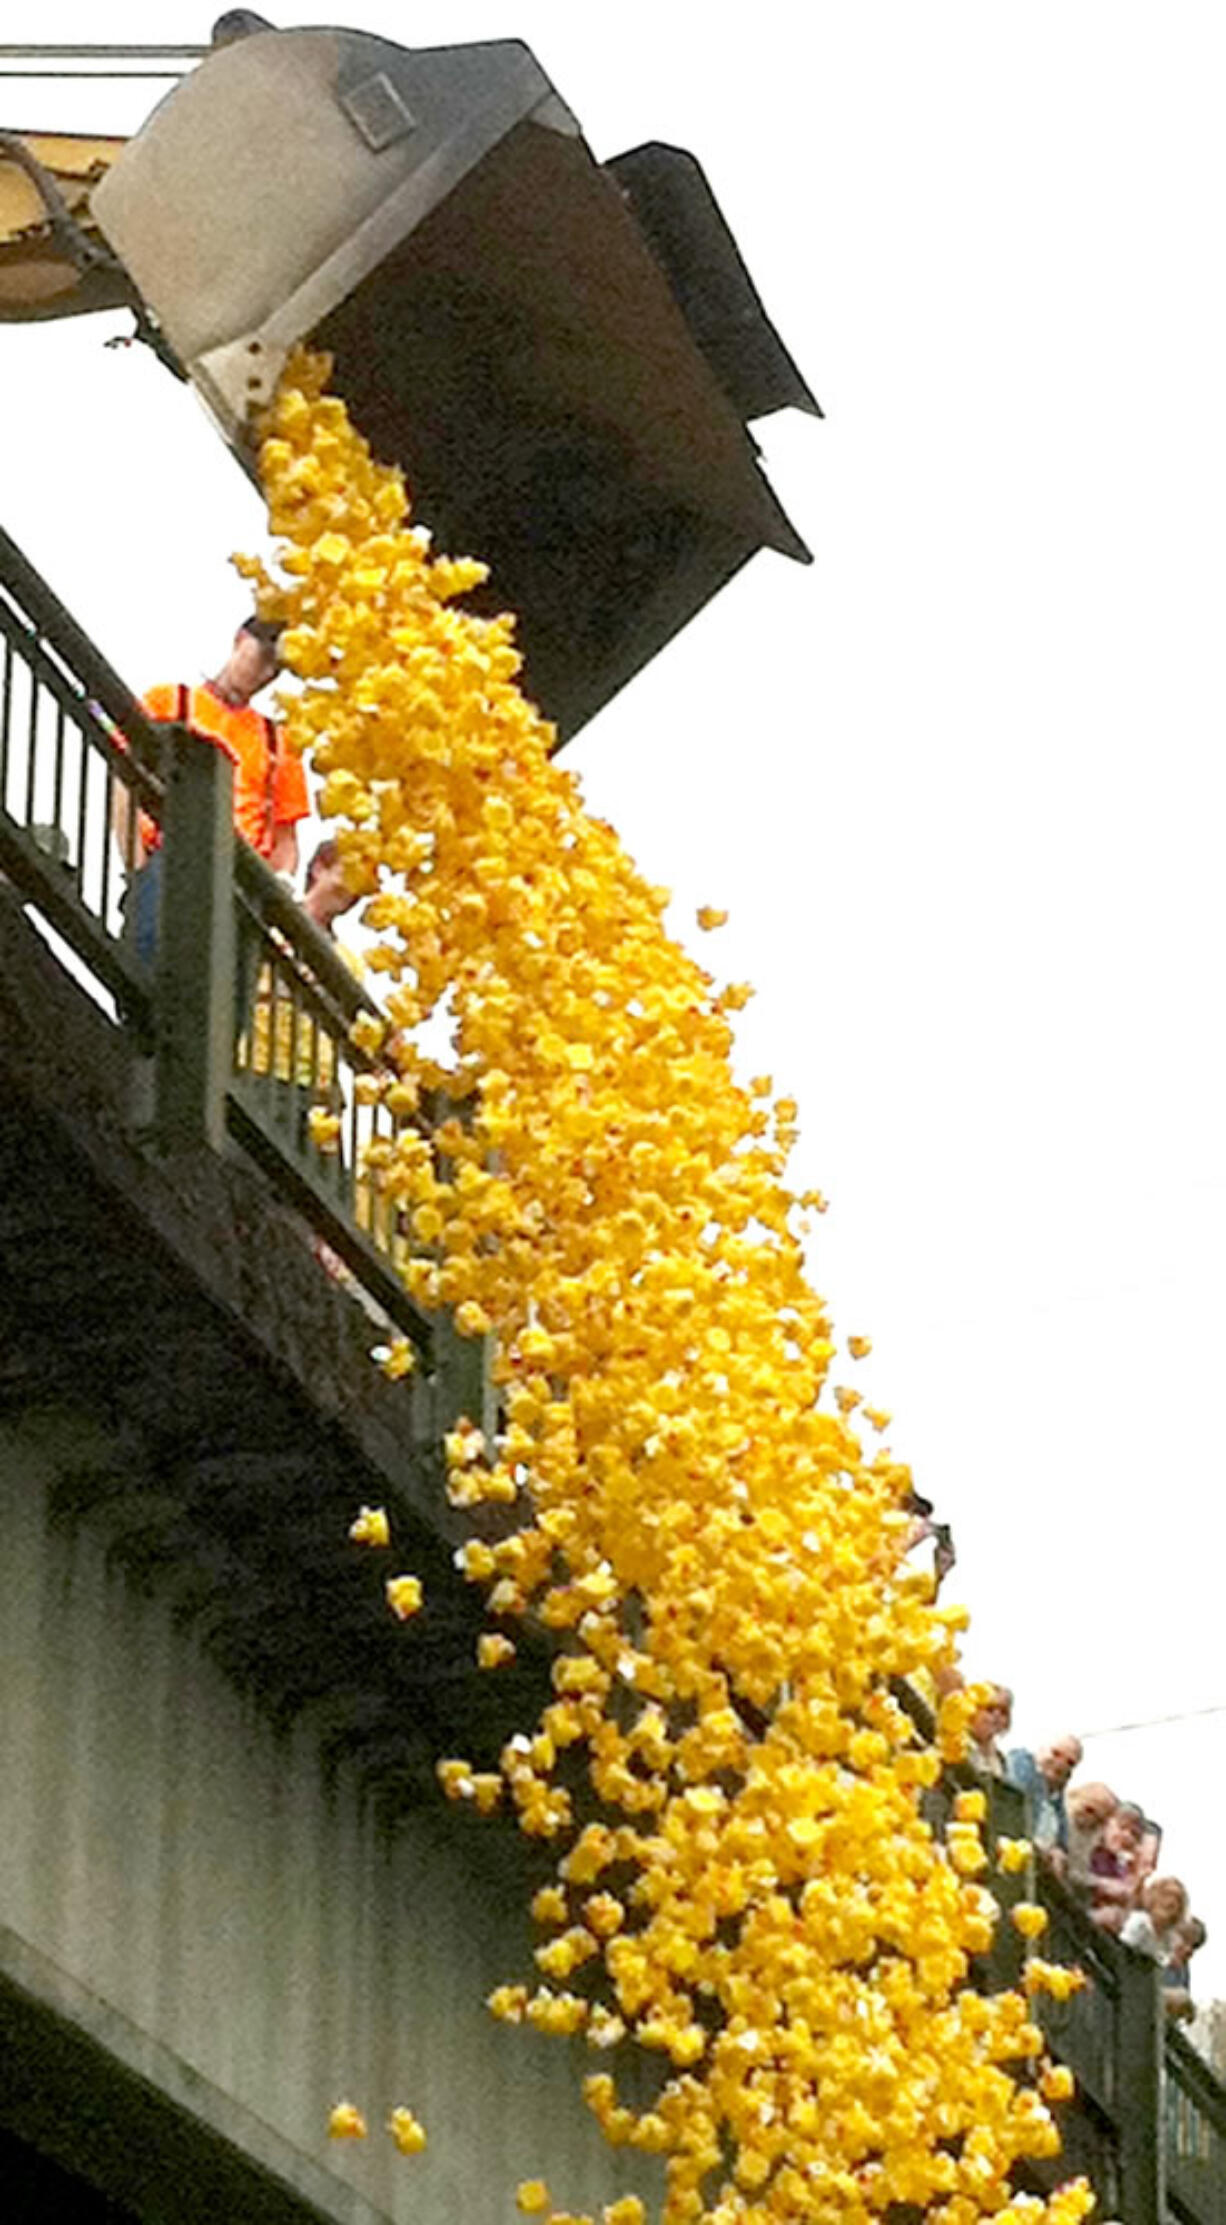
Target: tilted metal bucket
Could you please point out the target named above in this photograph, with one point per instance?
(502, 324)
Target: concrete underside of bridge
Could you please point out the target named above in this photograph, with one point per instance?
(230, 1893)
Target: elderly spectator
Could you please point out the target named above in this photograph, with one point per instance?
(1153, 1928)
(988, 1726)
(1088, 1808)
(1177, 1974)
(1042, 1776)
(1115, 1866)
(1151, 1847)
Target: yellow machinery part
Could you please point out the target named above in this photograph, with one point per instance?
(38, 278)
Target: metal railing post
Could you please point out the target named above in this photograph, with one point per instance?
(463, 1379)
(463, 1385)
(1009, 1818)
(1138, 2091)
(195, 962)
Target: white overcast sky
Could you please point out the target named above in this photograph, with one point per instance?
(960, 784)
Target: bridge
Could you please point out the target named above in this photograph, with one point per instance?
(229, 1893)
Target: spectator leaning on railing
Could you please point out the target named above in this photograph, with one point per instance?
(988, 1725)
(1116, 1873)
(1042, 1776)
(1088, 1808)
(1153, 1928)
(1177, 1974)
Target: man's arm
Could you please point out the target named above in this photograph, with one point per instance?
(159, 704)
(283, 856)
(290, 803)
(1022, 1769)
(122, 827)
(1120, 1890)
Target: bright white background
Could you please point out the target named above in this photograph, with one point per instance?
(960, 784)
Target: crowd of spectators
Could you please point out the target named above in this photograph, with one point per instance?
(1105, 1849)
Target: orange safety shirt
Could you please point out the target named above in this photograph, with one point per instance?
(270, 787)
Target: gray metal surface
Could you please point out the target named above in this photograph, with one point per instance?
(567, 401)
(195, 1017)
(253, 200)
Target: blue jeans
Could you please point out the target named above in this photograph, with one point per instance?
(142, 909)
(142, 920)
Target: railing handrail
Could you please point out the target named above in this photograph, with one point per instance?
(69, 725)
(135, 767)
(1094, 1946)
(100, 681)
(273, 904)
(1194, 2076)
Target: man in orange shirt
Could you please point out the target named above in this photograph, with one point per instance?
(270, 791)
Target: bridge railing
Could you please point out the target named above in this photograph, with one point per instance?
(1148, 2124)
(246, 1007)
(248, 1011)
(304, 1096)
(69, 791)
(1195, 2136)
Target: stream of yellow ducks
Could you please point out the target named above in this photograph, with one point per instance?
(708, 1523)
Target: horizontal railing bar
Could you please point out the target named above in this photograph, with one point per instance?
(27, 53)
(32, 652)
(34, 76)
(266, 900)
(1183, 2211)
(1090, 1943)
(104, 954)
(272, 947)
(1192, 2076)
(312, 1003)
(61, 667)
(46, 614)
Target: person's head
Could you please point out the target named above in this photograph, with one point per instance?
(327, 894)
(992, 1720)
(253, 661)
(1191, 1938)
(1058, 1759)
(1124, 1828)
(1091, 1806)
(1165, 1902)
